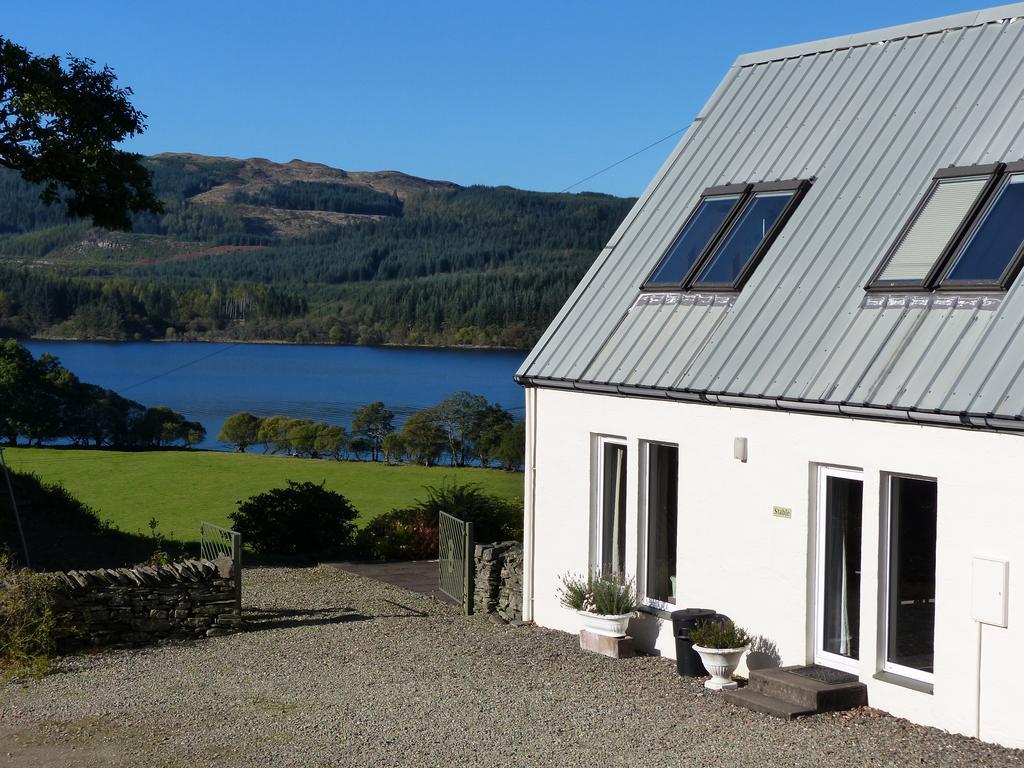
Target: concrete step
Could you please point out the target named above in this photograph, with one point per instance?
(766, 705)
(807, 693)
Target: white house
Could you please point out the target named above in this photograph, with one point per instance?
(791, 387)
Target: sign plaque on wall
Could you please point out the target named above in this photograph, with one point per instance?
(784, 512)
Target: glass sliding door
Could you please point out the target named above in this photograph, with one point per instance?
(910, 577)
(838, 568)
(662, 520)
(609, 547)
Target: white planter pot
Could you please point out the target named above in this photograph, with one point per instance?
(602, 624)
(720, 664)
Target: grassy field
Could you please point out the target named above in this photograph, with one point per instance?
(181, 488)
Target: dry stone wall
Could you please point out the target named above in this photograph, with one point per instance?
(498, 586)
(135, 606)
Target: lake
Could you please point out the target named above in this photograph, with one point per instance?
(209, 382)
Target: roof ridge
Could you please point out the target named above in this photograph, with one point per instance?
(913, 29)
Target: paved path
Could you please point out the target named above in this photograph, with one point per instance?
(415, 575)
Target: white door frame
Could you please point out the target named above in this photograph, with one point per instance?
(889, 666)
(821, 656)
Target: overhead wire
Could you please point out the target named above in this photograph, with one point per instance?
(169, 371)
(627, 157)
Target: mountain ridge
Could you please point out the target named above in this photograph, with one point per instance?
(253, 249)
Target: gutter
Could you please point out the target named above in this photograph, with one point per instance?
(989, 421)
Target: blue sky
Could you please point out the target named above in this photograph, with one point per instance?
(532, 94)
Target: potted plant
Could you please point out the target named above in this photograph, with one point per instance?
(604, 602)
(721, 645)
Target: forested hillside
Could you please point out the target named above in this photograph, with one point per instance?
(254, 250)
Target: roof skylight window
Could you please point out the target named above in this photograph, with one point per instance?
(697, 234)
(934, 228)
(991, 254)
(725, 237)
(734, 259)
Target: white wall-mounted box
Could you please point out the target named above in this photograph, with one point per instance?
(990, 581)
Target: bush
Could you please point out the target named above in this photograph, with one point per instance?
(411, 533)
(719, 634)
(300, 519)
(401, 534)
(29, 623)
(608, 594)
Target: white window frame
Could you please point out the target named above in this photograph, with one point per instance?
(597, 500)
(822, 656)
(888, 666)
(644, 515)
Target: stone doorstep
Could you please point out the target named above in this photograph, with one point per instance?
(614, 647)
(766, 705)
(782, 693)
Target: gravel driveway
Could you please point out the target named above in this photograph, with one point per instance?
(340, 671)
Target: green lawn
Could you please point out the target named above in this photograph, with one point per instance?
(181, 488)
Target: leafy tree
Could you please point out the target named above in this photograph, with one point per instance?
(512, 449)
(192, 433)
(330, 441)
(59, 127)
(301, 436)
(424, 438)
(393, 447)
(360, 447)
(20, 405)
(455, 415)
(240, 430)
(273, 434)
(373, 422)
(299, 519)
(159, 426)
(486, 431)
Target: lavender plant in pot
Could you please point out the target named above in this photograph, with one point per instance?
(721, 645)
(604, 602)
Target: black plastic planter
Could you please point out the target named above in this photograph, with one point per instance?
(688, 662)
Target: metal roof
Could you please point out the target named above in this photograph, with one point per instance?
(871, 117)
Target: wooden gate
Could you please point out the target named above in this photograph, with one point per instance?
(455, 559)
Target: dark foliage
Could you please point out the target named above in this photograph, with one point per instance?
(42, 401)
(59, 128)
(300, 519)
(322, 196)
(62, 532)
(411, 533)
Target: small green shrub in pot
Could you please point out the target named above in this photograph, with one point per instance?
(719, 634)
(608, 594)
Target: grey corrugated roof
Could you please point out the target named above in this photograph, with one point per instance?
(872, 117)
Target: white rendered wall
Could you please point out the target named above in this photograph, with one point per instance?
(736, 557)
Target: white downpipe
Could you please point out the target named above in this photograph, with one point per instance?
(977, 692)
(529, 501)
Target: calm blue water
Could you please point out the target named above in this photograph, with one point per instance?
(209, 382)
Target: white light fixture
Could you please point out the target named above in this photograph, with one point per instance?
(739, 448)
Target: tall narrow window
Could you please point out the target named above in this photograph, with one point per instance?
(662, 521)
(840, 496)
(693, 239)
(749, 238)
(910, 580)
(992, 253)
(610, 523)
(934, 229)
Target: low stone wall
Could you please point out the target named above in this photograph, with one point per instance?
(135, 606)
(510, 595)
(498, 586)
